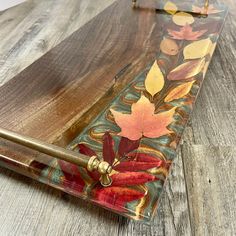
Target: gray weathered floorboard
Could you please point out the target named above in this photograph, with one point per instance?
(29, 208)
(210, 176)
(29, 30)
(213, 119)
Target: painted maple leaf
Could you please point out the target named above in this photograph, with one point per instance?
(143, 121)
(186, 33)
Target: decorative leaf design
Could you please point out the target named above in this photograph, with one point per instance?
(203, 10)
(171, 8)
(108, 151)
(211, 51)
(142, 121)
(186, 33)
(127, 166)
(116, 197)
(126, 145)
(71, 173)
(187, 70)
(155, 80)
(183, 18)
(180, 91)
(197, 49)
(169, 47)
(145, 157)
(83, 149)
(131, 178)
(124, 175)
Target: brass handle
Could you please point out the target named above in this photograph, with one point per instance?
(92, 163)
(206, 4)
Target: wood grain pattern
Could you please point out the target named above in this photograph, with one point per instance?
(46, 206)
(72, 71)
(211, 184)
(31, 29)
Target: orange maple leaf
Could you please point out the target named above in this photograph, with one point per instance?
(186, 33)
(142, 121)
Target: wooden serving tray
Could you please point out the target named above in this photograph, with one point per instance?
(122, 88)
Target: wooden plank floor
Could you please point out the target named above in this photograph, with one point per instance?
(199, 198)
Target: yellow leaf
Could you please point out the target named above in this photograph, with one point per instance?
(171, 8)
(155, 80)
(179, 92)
(183, 18)
(187, 70)
(212, 49)
(197, 49)
(210, 52)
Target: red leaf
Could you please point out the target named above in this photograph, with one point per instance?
(126, 145)
(136, 166)
(143, 157)
(72, 176)
(116, 197)
(95, 175)
(83, 149)
(108, 151)
(131, 178)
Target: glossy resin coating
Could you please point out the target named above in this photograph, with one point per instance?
(137, 123)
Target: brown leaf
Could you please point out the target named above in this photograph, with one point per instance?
(169, 47)
(179, 92)
(187, 70)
